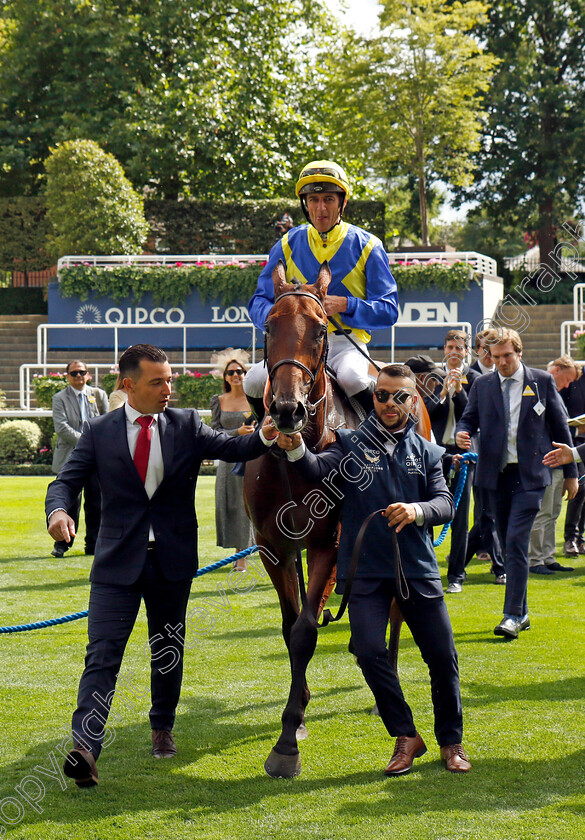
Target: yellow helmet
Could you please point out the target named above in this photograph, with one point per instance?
(322, 176)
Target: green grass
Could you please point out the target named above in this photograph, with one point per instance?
(523, 711)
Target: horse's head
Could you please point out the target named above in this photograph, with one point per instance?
(296, 349)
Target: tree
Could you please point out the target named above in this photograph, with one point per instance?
(90, 202)
(409, 101)
(533, 146)
(194, 98)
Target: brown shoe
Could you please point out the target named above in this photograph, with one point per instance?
(80, 765)
(163, 744)
(455, 759)
(405, 751)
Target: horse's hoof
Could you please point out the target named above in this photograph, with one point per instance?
(302, 732)
(280, 766)
(375, 710)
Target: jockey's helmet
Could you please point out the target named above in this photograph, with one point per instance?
(321, 176)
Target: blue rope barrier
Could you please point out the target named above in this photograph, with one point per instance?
(468, 458)
(51, 622)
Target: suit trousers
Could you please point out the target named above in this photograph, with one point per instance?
(575, 515)
(483, 535)
(112, 614)
(428, 621)
(542, 537)
(515, 510)
(92, 506)
(460, 528)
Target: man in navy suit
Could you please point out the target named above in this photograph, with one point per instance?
(147, 460)
(518, 411)
(445, 407)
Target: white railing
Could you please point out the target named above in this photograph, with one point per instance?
(485, 265)
(568, 265)
(43, 333)
(160, 259)
(446, 325)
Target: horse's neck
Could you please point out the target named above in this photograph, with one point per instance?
(320, 431)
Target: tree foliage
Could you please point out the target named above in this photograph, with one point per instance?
(90, 203)
(533, 147)
(193, 98)
(408, 102)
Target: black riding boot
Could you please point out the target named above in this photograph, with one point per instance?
(365, 398)
(257, 406)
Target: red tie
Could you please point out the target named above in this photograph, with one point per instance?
(142, 451)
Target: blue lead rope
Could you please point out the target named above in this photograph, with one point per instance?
(51, 622)
(468, 458)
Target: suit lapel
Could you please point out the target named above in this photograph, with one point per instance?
(166, 433)
(526, 403)
(121, 440)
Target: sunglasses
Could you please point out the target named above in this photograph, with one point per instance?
(77, 372)
(398, 397)
(239, 371)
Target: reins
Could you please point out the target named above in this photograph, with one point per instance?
(327, 615)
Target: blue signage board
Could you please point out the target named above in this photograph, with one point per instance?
(90, 324)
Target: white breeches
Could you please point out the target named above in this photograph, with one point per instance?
(348, 364)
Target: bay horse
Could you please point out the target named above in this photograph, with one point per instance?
(286, 511)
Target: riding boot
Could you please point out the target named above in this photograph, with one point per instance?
(365, 398)
(257, 406)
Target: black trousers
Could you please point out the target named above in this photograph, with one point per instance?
(428, 620)
(515, 510)
(460, 525)
(112, 614)
(575, 516)
(92, 506)
(483, 534)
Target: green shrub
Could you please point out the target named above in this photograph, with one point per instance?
(234, 283)
(19, 441)
(24, 229)
(91, 205)
(196, 389)
(45, 387)
(2, 399)
(108, 382)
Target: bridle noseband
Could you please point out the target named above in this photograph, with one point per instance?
(311, 407)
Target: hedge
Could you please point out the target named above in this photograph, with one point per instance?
(24, 229)
(237, 227)
(177, 227)
(21, 301)
(19, 441)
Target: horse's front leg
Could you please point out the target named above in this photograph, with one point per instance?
(285, 760)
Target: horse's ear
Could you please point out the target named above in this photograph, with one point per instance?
(323, 280)
(279, 280)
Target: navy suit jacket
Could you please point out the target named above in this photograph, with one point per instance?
(439, 411)
(127, 512)
(485, 413)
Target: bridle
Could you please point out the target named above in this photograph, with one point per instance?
(313, 376)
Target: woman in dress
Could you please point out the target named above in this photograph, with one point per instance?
(119, 395)
(230, 413)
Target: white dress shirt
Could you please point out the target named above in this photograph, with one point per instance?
(155, 470)
(516, 387)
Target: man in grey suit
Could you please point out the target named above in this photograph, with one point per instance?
(72, 406)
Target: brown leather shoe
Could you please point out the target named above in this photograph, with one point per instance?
(80, 765)
(455, 759)
(405, 751)
(163, 744)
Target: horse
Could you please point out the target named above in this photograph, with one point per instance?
(288, 513)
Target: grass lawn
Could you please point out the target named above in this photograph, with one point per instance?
(523, 703)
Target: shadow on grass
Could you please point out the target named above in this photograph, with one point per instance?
(219, 770)
(48, 587)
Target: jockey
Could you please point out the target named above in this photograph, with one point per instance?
(361, 296)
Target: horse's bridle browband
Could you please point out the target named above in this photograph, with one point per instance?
(322, 359)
